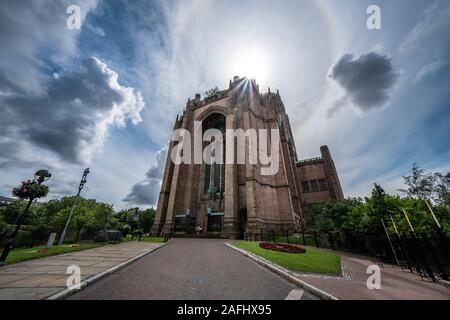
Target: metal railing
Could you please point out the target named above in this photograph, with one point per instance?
(428, 256)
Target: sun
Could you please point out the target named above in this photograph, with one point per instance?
(252, 63)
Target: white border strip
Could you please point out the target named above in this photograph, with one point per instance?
(278, 270)
(91, 280)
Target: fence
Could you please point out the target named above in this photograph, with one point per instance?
(428, 256)
(30, 236)
(27, 236)
(269, 235)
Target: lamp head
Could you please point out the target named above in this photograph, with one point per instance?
(42, 175)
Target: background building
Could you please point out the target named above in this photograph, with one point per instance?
(319, 179)
(236, 198)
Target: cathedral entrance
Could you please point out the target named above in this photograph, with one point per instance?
(184, 223)
(215, 222)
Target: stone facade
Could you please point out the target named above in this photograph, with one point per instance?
(237, 198)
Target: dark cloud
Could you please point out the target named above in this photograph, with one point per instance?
(73, 116)
(146, 192)
(367, 80)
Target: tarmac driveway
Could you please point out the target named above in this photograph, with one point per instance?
(203, 269)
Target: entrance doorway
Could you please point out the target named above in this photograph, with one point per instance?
(215, 222)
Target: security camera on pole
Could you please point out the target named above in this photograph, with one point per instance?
(82, 182)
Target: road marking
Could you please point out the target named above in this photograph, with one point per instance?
(295, 295)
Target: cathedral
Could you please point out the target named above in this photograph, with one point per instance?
(234, 198)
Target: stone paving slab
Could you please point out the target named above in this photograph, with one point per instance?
(40, 278)
(33, 281)
(26, 293)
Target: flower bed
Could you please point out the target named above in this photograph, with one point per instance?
(282, 247)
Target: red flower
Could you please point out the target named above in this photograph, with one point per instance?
(282, 247)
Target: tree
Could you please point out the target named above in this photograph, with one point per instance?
(420, 184)
(379, 207)
(443, 215)
(356, 221)
(102, 215)
(325, 224)
(12, 211)
(3, 225)
(328, 218)
(147, 219)
(442, 189)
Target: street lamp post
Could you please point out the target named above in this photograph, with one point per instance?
(82, 182)
(40, 176)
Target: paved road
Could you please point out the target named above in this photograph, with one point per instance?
(203, 269)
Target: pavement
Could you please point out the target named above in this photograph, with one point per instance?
(41, 278)
(187, 269)
(396, 284)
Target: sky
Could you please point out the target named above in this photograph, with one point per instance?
(105, 96)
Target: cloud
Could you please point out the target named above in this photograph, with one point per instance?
(168, 51)
(367, 80)
(430, 68)
(72, 117)
(146, 192)
(34, 40)
(95, 30)
(430, 32)
(336, 106)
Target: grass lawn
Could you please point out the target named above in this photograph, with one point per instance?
(311, 261)
(144, 239)
(18, 255)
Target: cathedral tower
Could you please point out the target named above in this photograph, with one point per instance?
(232, 198)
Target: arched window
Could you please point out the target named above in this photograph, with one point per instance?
(214, 173)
